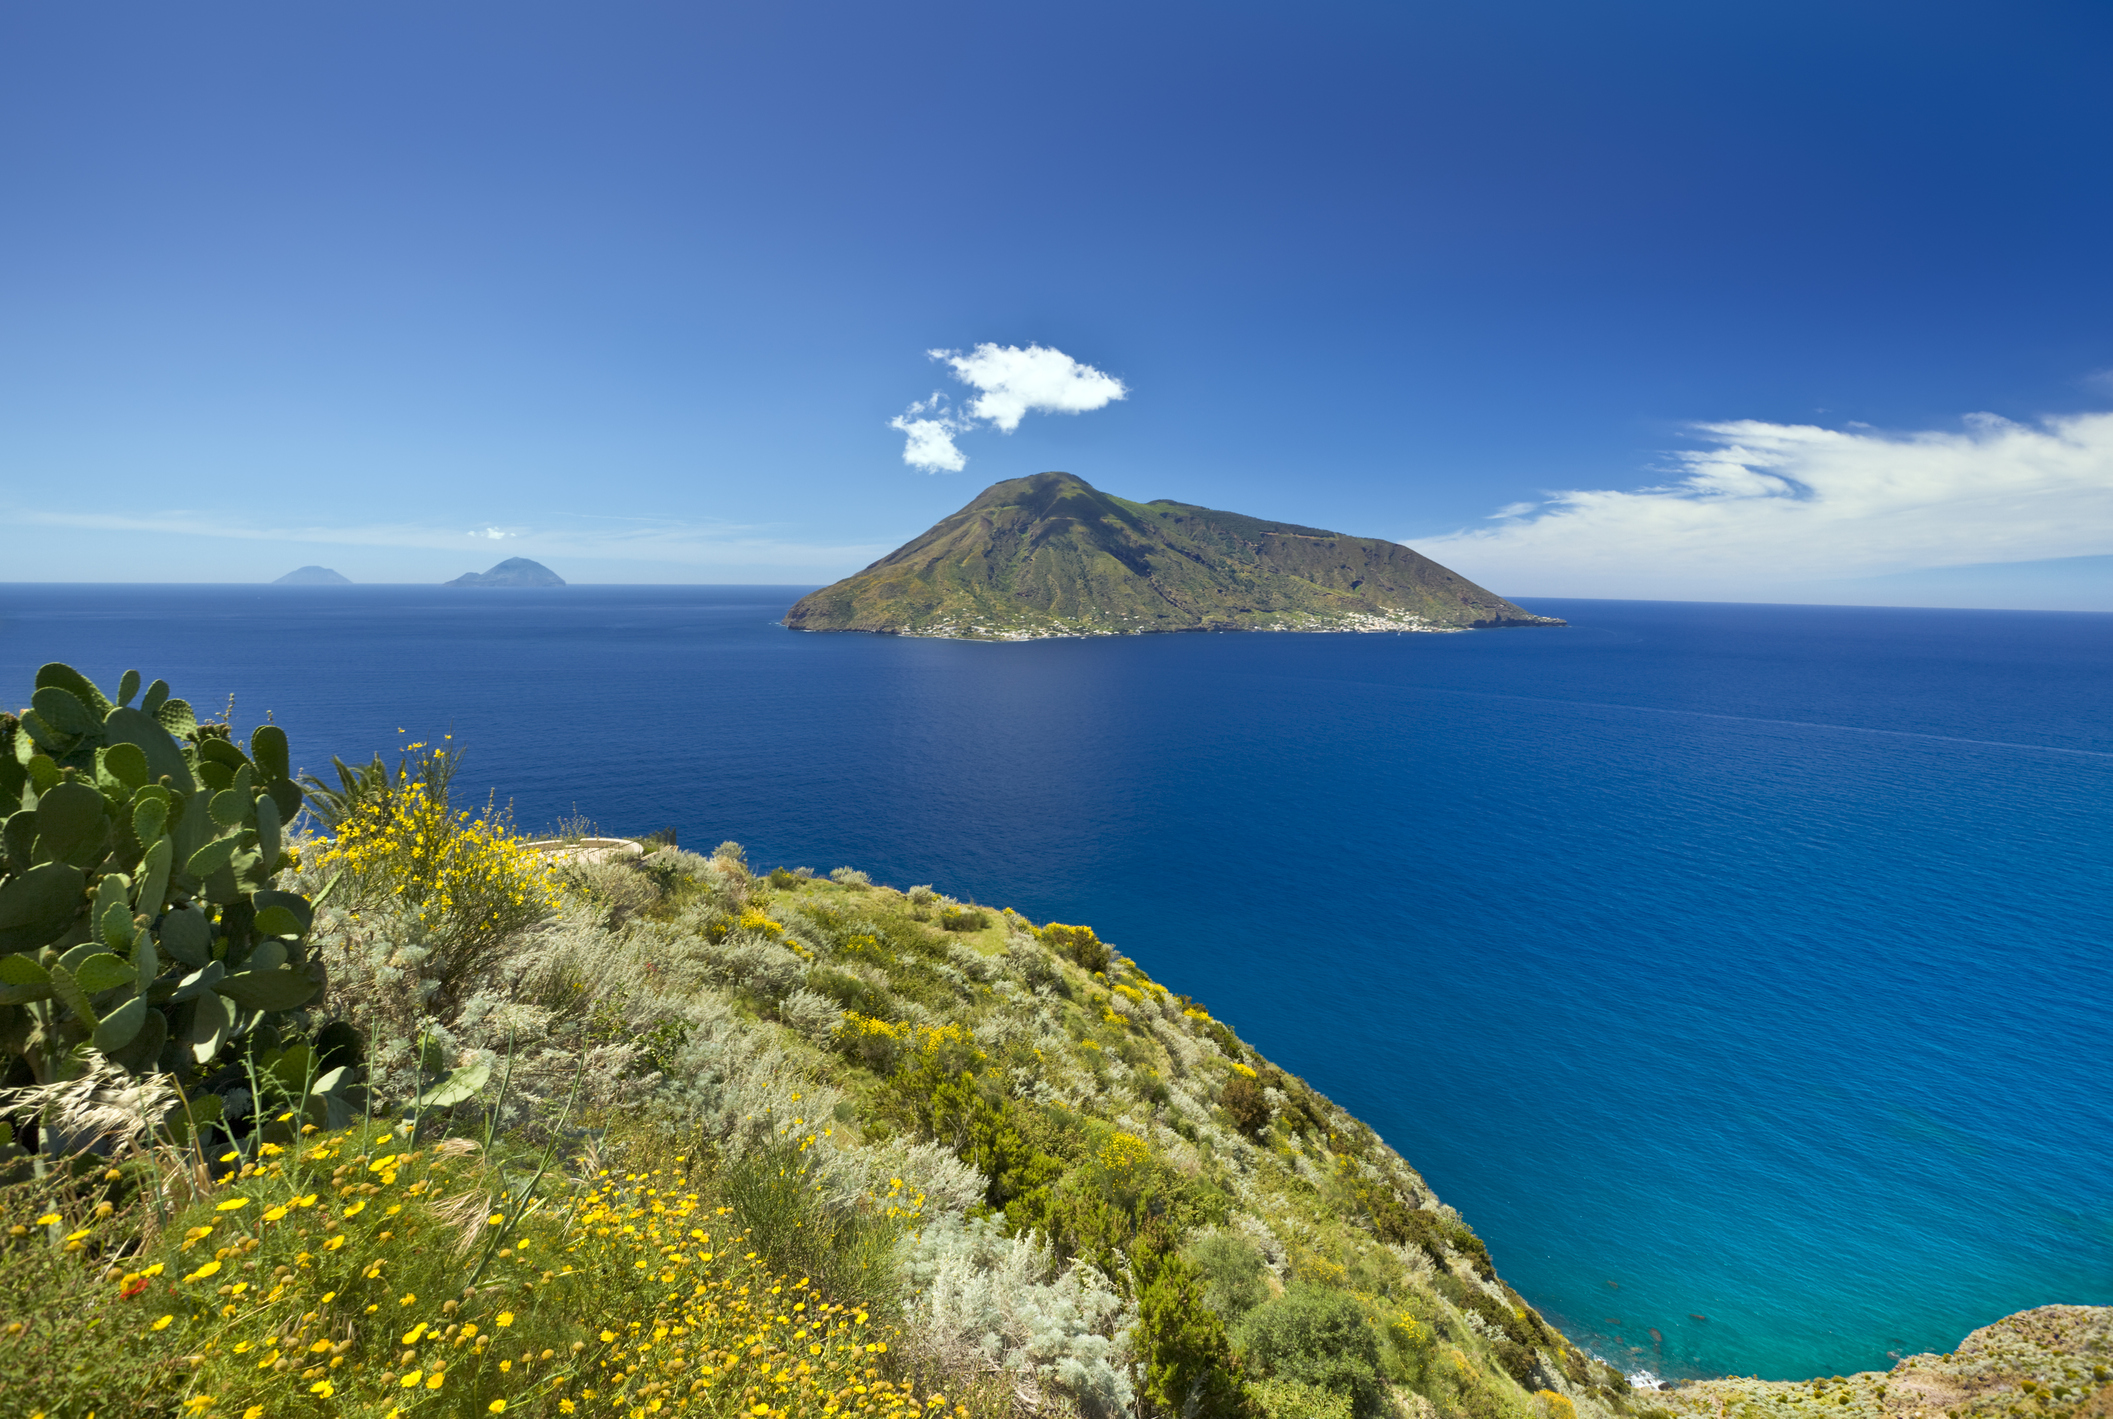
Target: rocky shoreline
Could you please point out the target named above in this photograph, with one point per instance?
(2055, 1362)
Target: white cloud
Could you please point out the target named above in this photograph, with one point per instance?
(493, 533)
(1016, 382)
(601, 538)
(1011, 383)
(930, 442)
(1767, 508)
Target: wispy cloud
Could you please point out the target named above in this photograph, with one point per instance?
(1763, 507)
(1011, 383)
(629, 540)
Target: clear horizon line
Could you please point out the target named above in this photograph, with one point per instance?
(1521, 600)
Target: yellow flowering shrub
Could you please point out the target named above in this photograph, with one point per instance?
(1079, 943)
(1547, 1404)
(1124, 1151)
(875, 1043)
(359, 1276)
(470, 883)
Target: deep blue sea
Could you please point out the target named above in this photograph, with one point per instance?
(1724, 961)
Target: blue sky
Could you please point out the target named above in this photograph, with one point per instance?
(1773, 301)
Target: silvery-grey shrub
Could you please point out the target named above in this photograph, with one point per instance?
(762, 965)
(985, 1300)
(814, 1016)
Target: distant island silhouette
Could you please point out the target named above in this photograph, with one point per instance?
(514, 571)
(313, 576)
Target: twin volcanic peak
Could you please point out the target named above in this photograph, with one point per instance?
(514, 571)
(1052, 555)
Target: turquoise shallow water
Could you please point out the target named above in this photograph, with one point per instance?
(1740, 972)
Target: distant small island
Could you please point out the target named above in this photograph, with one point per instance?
(1052, 555)
(313, 576)
(514, 571)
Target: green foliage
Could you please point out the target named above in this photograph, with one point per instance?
(353, 1259)
(1242, 1099)
(360, 785)
(772, 1192)
(136, 904)
(1189, 1369)
(1078, 943)
(1231, 1274)
(1051, 554)
(1316, 1336)
(1432, 1233)
(1288, 1399)
(959, 918)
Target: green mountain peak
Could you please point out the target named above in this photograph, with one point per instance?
(1052, 555)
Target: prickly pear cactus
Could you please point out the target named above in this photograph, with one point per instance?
(137, 916)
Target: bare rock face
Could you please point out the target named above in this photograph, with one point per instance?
(1052, 555)
(514, 571)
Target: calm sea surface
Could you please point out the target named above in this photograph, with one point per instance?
(1738, 962)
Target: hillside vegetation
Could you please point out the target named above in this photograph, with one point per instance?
(408, 1116)
(1053, 555)
(2049, 1363)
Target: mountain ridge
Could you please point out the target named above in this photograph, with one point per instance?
(514, 571)
(1052, 555)
(313, 576)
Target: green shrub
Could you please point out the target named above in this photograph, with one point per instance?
(957, 918)
(1518, 1361)
(1242, 1099)
(850, 991)
(1288, 1399)
(773, 1194)
(1231, 1272)
(1315, 1336)
(1079, 943)
(1180, 1343)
